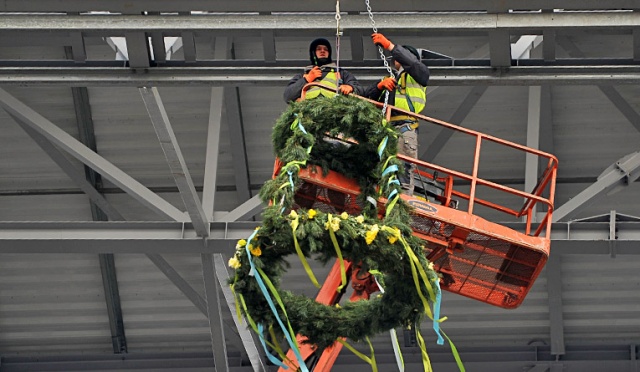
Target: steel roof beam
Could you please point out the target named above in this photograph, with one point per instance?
(269, 46)
(81, 152)
(235, 124)
(175, 159)
(534, 118)
(244, 211)
(72, 172)
(279, 76)
(213, 293)
(300, 6)
(500, 48)
(213, 151)
(554, 293)
(252, 352)
(138, 51)
(424, 23)
(235, 337)
(609, 91)
(99, 207)
(87, 136)
(617, 176)
(177, 238)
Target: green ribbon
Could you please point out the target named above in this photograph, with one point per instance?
(276, 295)
(343, 271)
(426, 362)
(371, 360)
(235, 298)
(454, 351)
(254, 326)
(305, 264)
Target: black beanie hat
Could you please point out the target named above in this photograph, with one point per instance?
(312, 50)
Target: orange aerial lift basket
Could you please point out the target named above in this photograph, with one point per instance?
(477, 256)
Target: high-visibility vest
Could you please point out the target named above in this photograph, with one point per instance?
(410, 95)
(330, 80)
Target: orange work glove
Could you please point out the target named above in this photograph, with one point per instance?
(346, 89)
(387, 83)
(379, 39)
(314, 74)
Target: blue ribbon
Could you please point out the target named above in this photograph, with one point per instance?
(391, 168)
(270, 356)
(392, 194)
(302, 128)
(272, 306)
(297, 121)
(436, 313)
(395, 181)
(382, 146)
(291, 180)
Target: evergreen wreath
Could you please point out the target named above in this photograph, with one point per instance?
(382, 246)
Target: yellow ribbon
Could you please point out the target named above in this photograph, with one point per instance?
(392, 204)
(386, 162)
(276, 345)
(426, 362)
(235, 297)
(423, 274)
(275, 294)
(416, 281)
(343, 271)
(253, 325)
(454, 350)
(294, 226)
(371, 361)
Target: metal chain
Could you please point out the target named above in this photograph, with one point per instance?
(382, 56)
(338, 34)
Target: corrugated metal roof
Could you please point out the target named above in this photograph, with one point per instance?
(54, 304)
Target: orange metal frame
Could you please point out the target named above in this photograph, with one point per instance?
(476, 258)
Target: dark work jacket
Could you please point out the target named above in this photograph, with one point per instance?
(410, 64)
(293, 91)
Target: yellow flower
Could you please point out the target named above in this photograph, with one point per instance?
(255, 251)
(360, 219)
(333, 223)
(344, 215)
(371, 234)
(234, 263)
(393, 237)
(293, 214)
(312, 213)
(241, 243)
(430, 266)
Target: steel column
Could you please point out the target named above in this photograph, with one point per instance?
(212, 291)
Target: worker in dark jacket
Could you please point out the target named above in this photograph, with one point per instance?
(408, 91)
(324, 71)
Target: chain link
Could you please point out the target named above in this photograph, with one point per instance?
(382, 56)
(373, 22)
(338, 34)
